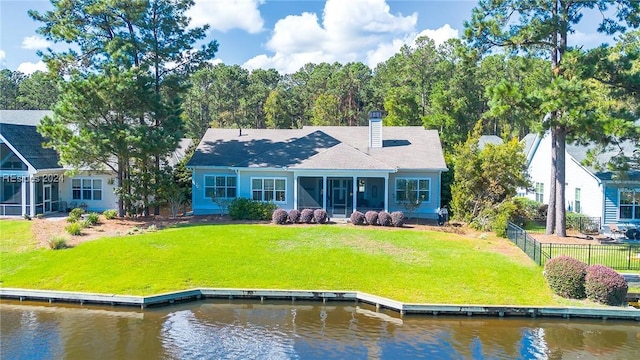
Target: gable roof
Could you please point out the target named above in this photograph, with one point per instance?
(18, 129)
(489, 139)
(579, 153)
(321, 147)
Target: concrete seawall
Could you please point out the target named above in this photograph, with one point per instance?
(323, 296)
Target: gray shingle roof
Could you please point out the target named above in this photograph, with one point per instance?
(489, 139)
(579, 153)
(23, 117)
(28, 142)
(322, 147)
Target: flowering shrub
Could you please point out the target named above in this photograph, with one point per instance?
(397, 218)
(279, 216)
(306, 216)
(566, 276)
(357, 218)
(294, 216)
(384, 218)
(371, 217)
(604, 285)
(320, 216)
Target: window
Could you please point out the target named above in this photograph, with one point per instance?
(269, 189)
(540, 192)
(629, 204)
(86, 189)
(578, 207)
(221, 186)
(412, 189)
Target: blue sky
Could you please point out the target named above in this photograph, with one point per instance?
(286, 34)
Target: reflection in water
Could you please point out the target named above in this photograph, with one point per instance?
(281, 330)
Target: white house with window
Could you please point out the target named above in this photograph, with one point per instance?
(615, 198)
(33, 181)
(340, 169)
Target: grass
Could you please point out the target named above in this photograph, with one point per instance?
(402, 264)
(16, 237)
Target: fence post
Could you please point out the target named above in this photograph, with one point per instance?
(629, 258)
(589, 255)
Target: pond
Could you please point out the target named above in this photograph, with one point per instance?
(215, 329)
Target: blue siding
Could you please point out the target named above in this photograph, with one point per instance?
(610, 204)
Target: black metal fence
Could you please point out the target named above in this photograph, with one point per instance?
(615, 256)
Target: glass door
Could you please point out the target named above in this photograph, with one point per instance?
(47, 198)
(340, 199)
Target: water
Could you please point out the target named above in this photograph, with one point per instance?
(285, 330)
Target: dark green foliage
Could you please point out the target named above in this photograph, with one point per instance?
(320, 216)
(246, 209)
(371, 217)
(605, 285)
(397, 218)
(357, 218)
(495, 218)
(384, 218)
(279, 216)
(306, 216)
(526, 210)
(110, 214)
(566, 276)
(294, 216)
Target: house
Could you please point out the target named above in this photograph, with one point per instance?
(589, 191)
(33, 181)
(339, 169)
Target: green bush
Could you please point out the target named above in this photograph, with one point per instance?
(74, 228)
(246, 209)
(92, 219)
(57, 243)
(526, 210)
(110, 214)
(500, 220)
(76, 213)
(566, 276)
(604, 285)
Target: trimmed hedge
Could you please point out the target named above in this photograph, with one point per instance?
(397, 219)
(320, 216)
(357, 218)
(279, 216)
(294, 216)
(384, 218)
(247, 209)
(604, 285)
(371, 217)
(566, 276)
(306, 216)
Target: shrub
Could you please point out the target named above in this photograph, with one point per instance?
(320, 216)
(294, 216)
(357, 218)
(57, 243)
(397, 218)
(110, 214)
(605, 285)
(247, 209)
(92, 219)
(565, 276)
(76, 213)
(306, 216)
(371, 217)
(526, 210)
(500, 220)
(279, 216)
(26, 217)
(384, 218)
(74, 228)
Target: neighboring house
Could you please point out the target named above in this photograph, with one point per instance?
(589, 191)
(33, 182)
(340, 169)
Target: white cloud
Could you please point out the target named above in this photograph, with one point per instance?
(228, 14)
(440, 35)
(588, 40)
(2, 54)
(35, 42)
(29, 68)
(349, 30)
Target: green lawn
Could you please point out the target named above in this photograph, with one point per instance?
(16, 237)
(402, 264)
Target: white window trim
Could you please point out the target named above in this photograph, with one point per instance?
(535, 192)
(633, 206)
(205, 187)
(286, 186)
(82, 198)
(411, 178)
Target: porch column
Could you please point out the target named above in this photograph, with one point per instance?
(32, 197)
(354, 190)
(386, 192)
(295, 191)
(324, 193)
(23, 193)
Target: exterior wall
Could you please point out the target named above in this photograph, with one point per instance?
(427, 209)
(612, 201)
(109, 198)
(244, 184)
(202, 205)
(576, 177)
